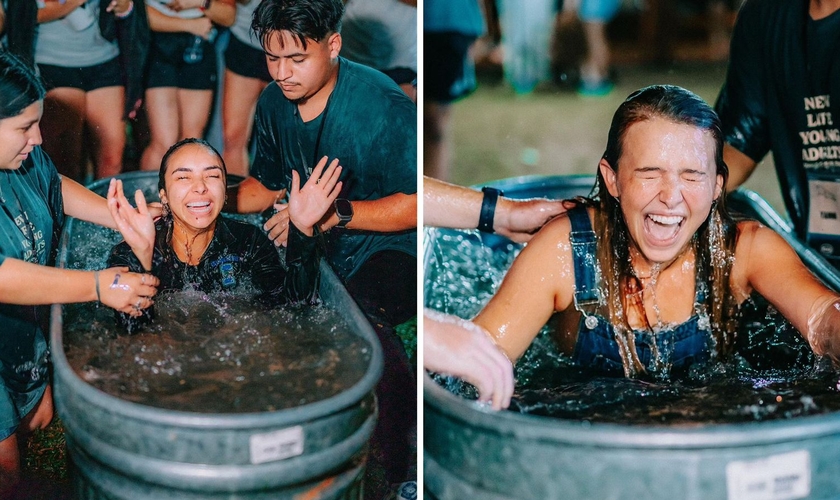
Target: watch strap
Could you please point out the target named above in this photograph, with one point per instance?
(488, 208)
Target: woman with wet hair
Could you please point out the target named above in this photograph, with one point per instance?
(649, 273)
(194, 246)
(34, 200)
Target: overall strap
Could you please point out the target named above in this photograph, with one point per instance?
(584, 246)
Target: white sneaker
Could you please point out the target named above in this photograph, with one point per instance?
(406, 491)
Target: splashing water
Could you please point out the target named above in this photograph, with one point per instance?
(774, 375)
(215, 353)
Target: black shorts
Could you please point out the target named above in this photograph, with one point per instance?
(448, 71)
(246, 61)
(167, 67)
(89, 78)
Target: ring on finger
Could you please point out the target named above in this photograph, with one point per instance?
(137, 305)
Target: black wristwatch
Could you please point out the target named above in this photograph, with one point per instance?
(488, 208)
(344, 211)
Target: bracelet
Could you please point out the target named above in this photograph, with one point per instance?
(96, 279)
(127, 12)
(488, 209)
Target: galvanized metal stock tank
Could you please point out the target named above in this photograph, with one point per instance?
(123, 450)
(470, 452)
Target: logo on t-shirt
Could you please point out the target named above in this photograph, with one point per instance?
(820, 139)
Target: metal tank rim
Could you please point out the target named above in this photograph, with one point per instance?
(608, 435)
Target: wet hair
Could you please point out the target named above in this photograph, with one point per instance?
(164, 162)
(714, 241)
(20, 87)
(304, 19)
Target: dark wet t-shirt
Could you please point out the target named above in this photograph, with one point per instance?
(31, 218)
(240, 257)
(783, 77)
(371, 127)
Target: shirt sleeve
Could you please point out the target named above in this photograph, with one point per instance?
(266, 166)
(122, 256)
(396, 148)
(298, 281)
(741, 103)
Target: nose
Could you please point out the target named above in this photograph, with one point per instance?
(281, 69)
(35, 135)
(670, 192)
(199, 185)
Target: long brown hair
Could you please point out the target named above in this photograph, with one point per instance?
(713, 243)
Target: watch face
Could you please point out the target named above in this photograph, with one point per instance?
(343, 209)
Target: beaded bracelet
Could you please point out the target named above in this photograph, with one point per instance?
(127, 12)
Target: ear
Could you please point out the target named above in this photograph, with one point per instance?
(609, 176)
(334, 43)
(162, 194)
(718, 186)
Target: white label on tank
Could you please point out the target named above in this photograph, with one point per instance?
(778, 477)
(276, 445)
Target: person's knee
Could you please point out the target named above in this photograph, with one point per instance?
(40, 416)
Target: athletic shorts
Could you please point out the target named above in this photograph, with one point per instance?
(598, 10)
(449, 73)
(246, 61)
(88, 78)
(167, 67)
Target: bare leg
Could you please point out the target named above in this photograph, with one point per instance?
(193, 112)
(38, 418)
(104, 120)
(596, 66)
(436, 140)
(162, 113)
(62, 127)
(238, 107)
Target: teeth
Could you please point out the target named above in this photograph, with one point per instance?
(198, 204)
(666, 220)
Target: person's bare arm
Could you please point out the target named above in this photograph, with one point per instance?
(540, 281)
(220, 12)
(454, 346)
(396, 212)
(53, 9)
(773, 269)
(24, 283)
(159, 21)
(448, 205)
(82, 203)
(740, 166)
(251, 197)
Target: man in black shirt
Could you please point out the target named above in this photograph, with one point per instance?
(324, 105)
(782, 79)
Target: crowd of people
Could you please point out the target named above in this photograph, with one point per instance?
(329, 186)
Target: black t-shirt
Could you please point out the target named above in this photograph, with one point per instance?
(370, 125)
(774, 100)
(239, 255)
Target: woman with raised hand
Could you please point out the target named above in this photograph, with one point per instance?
(195, 246)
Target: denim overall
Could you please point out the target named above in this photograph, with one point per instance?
(596, 348)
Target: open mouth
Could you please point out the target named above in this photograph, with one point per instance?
(199, 207)
(663, 228)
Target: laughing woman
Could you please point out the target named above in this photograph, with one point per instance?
(649, 274)
(195, 246)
